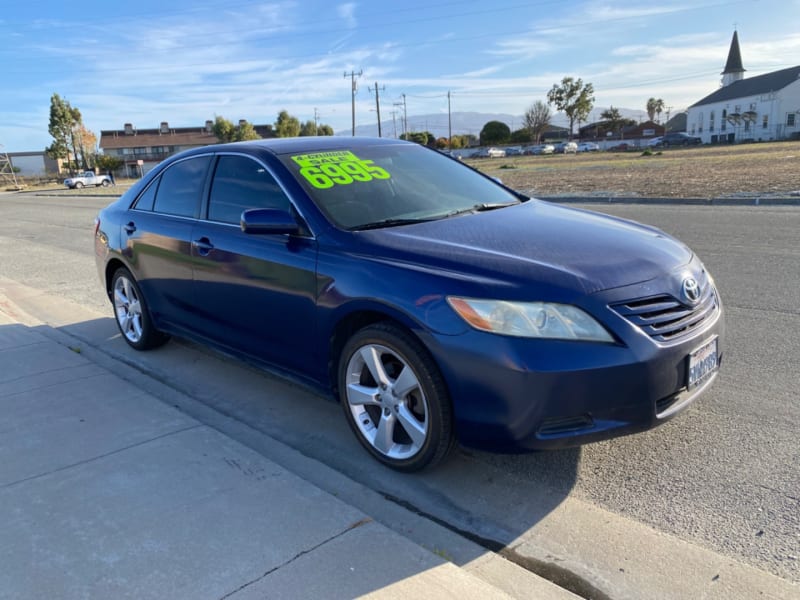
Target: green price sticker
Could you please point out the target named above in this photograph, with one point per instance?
(325, 169)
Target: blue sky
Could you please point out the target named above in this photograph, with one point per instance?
(186, 61)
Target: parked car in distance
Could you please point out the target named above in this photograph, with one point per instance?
(87, 178)
(513, 151)
(566, 148)
(652, 143)
(588, 147)
(541, 149)
(434, 303)
(621, 147)
(490, 153)
(679, 139)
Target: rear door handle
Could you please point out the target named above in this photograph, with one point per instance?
(203, 246)
(130, 227)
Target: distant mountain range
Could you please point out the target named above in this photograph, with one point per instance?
(466, 122)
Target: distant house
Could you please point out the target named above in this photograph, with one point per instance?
(766, 107)
(142, 149)
(33, 164)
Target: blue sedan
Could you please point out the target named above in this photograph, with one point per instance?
(434, 303)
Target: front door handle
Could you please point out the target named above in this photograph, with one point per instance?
(203, 246)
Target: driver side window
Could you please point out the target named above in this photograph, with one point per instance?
(241, 183)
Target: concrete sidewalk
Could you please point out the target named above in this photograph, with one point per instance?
(108, 492)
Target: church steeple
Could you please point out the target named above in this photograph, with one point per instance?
(734, 71)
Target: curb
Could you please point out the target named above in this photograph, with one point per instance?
(755, 201)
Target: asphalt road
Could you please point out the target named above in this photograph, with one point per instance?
(725, 475)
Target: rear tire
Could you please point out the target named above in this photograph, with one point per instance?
(394, 398)
(106, 183)
(131, 313)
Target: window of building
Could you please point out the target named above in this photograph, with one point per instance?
(181, 186)
(747, 125)
(790, 119)
(765, 122)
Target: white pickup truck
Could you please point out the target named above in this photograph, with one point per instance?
(87, 178)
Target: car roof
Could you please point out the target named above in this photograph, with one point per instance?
(297, 145)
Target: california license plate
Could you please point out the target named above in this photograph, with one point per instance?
(702, 363)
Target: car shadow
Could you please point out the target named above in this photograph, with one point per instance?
(473, 494)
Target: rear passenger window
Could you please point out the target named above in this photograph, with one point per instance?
(181, 187)
(146, 200)
(241, 183)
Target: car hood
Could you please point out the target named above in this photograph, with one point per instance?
(535, 243)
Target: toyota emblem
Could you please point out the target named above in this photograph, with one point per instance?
(691, 290)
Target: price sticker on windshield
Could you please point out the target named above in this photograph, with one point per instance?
(325, 169)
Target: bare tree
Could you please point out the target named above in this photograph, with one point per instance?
(537, 119)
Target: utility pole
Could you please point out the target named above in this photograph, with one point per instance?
(378, 104)
(353, 87)
(316, 121)
(7, 174)
(405, 114)
(449, 124)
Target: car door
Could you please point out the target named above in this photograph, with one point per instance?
(157, 240)
(254, 293)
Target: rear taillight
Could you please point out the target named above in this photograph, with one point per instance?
(96, 225)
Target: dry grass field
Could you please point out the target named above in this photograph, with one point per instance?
(697, 172)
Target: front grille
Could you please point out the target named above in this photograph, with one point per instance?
(664, 318)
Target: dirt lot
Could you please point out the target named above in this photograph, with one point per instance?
(764, 169)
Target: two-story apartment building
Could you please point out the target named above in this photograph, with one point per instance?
(142, 149)
(762, 108)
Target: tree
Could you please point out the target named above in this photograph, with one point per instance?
(495, 132)
(287, 125)
(245, 131)
(308, 128)
(106, 162)
(655, 106)
(441, 143)
(62, 121)
(87, 142)
(614, 121)
(420, 137)
(537, 120)
(324, 130)
(573, 98)
(226, 131)
(520, 136)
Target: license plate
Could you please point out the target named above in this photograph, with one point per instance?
(702, 363)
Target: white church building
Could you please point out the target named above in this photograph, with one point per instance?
(762, 108)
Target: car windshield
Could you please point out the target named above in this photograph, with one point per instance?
(390, 185)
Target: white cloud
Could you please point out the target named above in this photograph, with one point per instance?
(347, 12)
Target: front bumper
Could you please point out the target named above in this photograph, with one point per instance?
(512, 394)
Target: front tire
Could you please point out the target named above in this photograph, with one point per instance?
(131, 313)
(394, 398)
(78, 185)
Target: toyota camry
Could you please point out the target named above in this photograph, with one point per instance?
(435, 304)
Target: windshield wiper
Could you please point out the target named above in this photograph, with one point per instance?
(484, 206)
(387, 223)
(492, 205)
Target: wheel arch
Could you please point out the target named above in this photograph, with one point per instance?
(111, 268)
(352, 322)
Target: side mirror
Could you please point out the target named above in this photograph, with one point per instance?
(269, 220)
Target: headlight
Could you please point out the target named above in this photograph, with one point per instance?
(544, 320)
